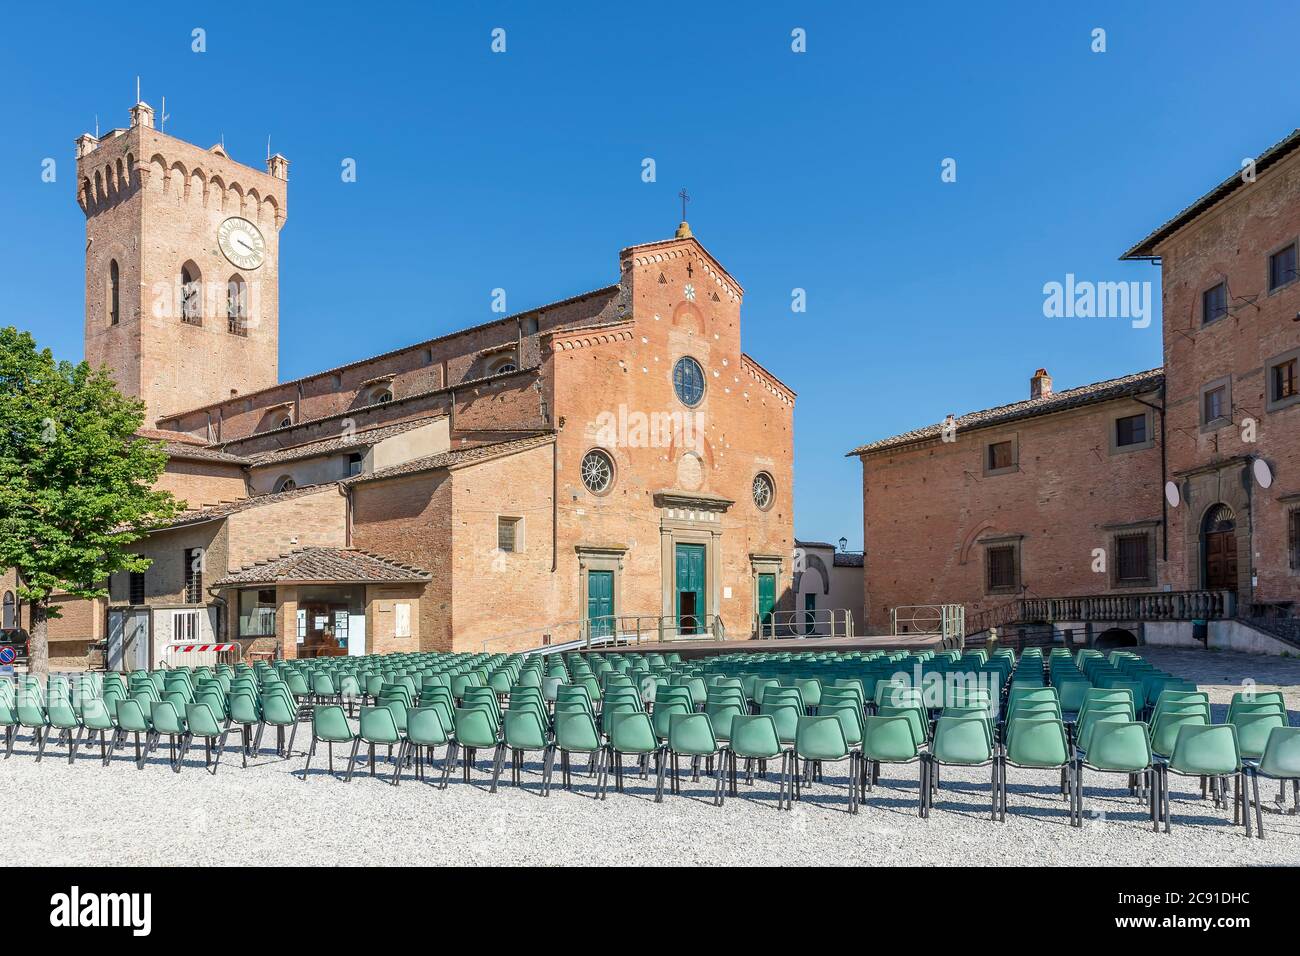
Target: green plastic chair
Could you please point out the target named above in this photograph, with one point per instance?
(32, 714)
(1117, 746)
(690, 735)
(1037, 744)
(961, 742)
(329, 724)
(96, 719)
(754, 737)
(476, 729)
(63, 718)
(524, 730)
(575, 732)
(279, 711)
(1279, 761)
(632, 735)
(204, 724)
(1209, 751)
(377, 727)
(131, 719)
(167, 719)
(893, 740)
(822, 739)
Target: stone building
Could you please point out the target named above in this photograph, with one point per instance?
(610, 462)
(1186, 478)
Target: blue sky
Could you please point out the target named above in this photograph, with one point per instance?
(818, 171)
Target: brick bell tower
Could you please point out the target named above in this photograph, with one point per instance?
(182, 266)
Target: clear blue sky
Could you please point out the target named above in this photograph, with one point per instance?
(818, 170)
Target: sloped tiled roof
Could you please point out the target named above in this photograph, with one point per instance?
(354, 442)
(325, 566)
(1275, 153)
(1106, 391)
(188, 452)
(227, 508)
(459, 456)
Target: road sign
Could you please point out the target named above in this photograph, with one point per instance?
(8, 655)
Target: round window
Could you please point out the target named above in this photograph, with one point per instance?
(688, 381)
(285, 483)
(764, 491)
(597, 471)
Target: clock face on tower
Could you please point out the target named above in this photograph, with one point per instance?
(241, 243)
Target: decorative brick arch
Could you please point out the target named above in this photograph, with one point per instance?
(687, 312)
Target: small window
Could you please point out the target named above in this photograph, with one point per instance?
(688, 381)
(503, 368)
(237, 306)
(355, 462)
(191, 296)
(1002, 456)
(763, 491)
(1293, 538)
(1281, 268)
(508, 534)
(114, 293)
(1001, 567)
(381, 396)
(1131, 430)
(1282, 381)
(135, 588)
(1214, 303)
(194, 575)
(1214, 405)
(10, 617)
(597, 471)
(1133, 559)
(285, 422)
(285, 483)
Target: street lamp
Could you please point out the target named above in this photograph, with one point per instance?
(844, 543)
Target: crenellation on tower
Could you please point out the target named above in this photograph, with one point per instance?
(182, 266)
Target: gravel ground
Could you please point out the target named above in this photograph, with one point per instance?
(266, 814)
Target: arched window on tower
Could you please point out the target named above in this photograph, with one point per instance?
(114, 294)
(237, 306)
(191, 294)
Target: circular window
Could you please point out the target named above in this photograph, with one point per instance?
(688, 381)
(763, 491)
(597, 471)
(285, 484)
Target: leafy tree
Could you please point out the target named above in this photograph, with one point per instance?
(76, 482)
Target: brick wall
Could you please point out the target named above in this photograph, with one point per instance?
(268, 530)
(200, 483)
(927, 508)
(1232, 242)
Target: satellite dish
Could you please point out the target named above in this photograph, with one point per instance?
(1263, 473)
(1171, 494)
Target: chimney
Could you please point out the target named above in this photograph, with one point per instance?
(86, 144)
(142, 115)
(278, 167)
(1040, 386)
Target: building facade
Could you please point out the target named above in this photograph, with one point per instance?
(613, 462)
(1180, 486)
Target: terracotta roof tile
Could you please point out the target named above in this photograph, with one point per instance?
(455, 457)
(325, 566)
(1134, 384)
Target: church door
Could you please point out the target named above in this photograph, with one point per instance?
(600, 603)
(1219, 545)
(690, 588)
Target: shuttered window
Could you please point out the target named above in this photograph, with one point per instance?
(1001, 567)
(1133, 559)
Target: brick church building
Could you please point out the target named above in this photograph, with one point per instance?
(1137, 506)
(611, 461)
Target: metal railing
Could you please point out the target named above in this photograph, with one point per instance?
(947, 621)
(612, 630)
(822, 622)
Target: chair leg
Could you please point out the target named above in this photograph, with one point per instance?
(548, 767)
(221, 748)
(447, 760)
(311, 752)
(352, 763)
(498, 761)
(1239, 785)
(659, 777)
(289, 752)
(401, 755)
(1259, 815)
(73, 743)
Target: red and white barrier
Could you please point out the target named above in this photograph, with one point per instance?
(189, 648)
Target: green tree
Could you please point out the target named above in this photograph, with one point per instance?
(76, 482)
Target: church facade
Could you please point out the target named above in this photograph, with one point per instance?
(611, 462)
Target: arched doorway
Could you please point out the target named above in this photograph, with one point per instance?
(1219, 548)
(1115, 637)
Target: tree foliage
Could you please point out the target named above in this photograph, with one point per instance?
(76, 481)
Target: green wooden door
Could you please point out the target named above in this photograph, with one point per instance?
(600, 602)
(690, 588)
(810, 612)
(766, 601)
